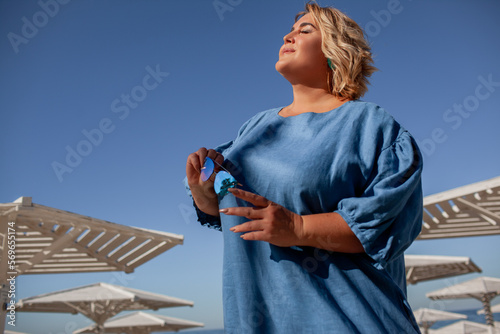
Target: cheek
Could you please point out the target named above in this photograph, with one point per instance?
(313, 49)
(318, 49)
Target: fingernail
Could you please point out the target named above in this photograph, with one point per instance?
(232, 229)
(223, 210)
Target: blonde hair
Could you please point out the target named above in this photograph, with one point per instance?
(344, 43)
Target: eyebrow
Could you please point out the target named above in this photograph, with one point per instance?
(303, 24)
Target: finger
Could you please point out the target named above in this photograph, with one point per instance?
(250, 226)
(217, 158)
(252, 198)
(243, 211)
(219, 161)
(193, 165)
(257, 235)
(211, 179)
(212, 154)
(202, 154)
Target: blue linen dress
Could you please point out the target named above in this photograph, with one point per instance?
(355, 160)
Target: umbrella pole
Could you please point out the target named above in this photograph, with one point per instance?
(426, 325)
(4, 278)
(3, 310)
(487, 308)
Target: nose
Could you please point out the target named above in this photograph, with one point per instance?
(289, 38)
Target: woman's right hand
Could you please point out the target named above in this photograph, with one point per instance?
(203, 191)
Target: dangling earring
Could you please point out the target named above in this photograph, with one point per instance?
(330, 64)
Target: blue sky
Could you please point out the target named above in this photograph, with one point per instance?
(152, 81)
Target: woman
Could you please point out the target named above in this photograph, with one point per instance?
(328, 196)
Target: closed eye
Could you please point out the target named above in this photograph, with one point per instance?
(305, 24)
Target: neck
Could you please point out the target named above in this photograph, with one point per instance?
(311, 99)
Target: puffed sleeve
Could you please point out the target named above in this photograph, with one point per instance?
(387, 217)
(203, 218)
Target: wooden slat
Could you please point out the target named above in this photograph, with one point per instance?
(27, 234)
(74, 265)
(106, 237)
(151, 255)
(90, 236)
(473, 225)
(32, 239)
(445, 205)
(36, 245)
(69, 255)
(127, 248)
(436, 213)
(461, 230)
(463, 221)
(488, 204)
(113, 244)
(492, 197)
(69, 270)
(71, 260)
(27, 251)
(428, 219)
(448, 234)
(132, 256)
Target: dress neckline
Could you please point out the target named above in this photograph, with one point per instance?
(310, 112)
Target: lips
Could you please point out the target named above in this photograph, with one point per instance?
(287, 50)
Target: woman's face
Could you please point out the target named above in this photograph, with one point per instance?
(300, 57)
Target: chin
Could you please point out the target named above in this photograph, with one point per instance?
(282, 67)
(277, 66)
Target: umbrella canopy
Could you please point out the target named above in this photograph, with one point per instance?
(470, 210)
(466, 327)
(98, 302)
(481, 288)
(50, 241)
(427, 317)
(427, 267)
(140, 322)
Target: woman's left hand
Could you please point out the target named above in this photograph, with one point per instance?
(269, 221)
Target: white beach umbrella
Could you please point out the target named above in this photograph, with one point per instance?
(466, 327)
(427, 317)
(421, 268)
(481, 288)
(98, 302)
(470, 210)
(142, 323)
